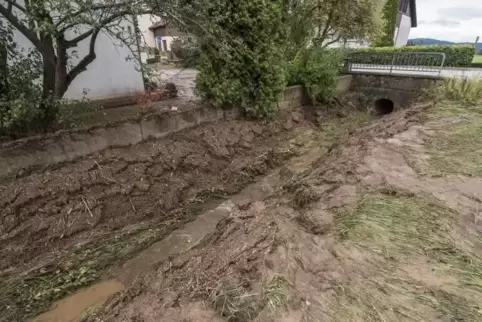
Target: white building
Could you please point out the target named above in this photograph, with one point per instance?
(156, 34)
(114, 73)
(406, 20)
(110, 75)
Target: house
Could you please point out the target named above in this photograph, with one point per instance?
(406, 20)
(108, 75)
(156, 34)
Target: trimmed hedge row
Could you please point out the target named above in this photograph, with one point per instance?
(455, 55)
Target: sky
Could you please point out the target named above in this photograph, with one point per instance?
(453, 20)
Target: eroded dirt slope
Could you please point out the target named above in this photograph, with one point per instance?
(366, 233)
(62, 227)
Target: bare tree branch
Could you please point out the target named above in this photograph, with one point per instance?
(73, 42)
(90, 9)
(29, 34)
(331, 42)
(90, 57)
(14, 4)
(86, 61)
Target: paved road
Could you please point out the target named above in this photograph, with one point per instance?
(184, 79)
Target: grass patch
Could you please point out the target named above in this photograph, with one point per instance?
(396, 231)
(464, 90)
(396, 226)
(26, 296)
(276, 292)
(477, 59)
(235, 303)
(456, 148)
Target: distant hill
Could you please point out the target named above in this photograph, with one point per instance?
(430, 41)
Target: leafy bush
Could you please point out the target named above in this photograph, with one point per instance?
(20, 91)
(317, 70)
(455, 55)
(294, 72)
(241, 62)
(320, 74)
(187, 50)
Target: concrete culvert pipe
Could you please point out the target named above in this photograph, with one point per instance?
(383, 106)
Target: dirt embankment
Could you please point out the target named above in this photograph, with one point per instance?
(60, 228)
(361, 235)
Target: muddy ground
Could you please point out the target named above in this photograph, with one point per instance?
(377, 229)
(340, 222)
(69, 225)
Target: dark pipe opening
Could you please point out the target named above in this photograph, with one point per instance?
(383, 106)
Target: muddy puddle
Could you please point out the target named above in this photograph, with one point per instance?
(76, 306)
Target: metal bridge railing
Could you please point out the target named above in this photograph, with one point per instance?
(396, 63)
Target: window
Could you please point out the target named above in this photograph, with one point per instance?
(164, 44)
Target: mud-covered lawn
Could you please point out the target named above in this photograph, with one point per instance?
(377, 229)
(70, 225)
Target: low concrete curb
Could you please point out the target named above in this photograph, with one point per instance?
(64, 146)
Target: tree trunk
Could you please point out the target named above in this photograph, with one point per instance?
(3, 70)
(61, 83)
(47, 105)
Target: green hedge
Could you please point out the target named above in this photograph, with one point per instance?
(455, 55)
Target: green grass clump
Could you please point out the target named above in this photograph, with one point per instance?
(276, 292)
(477, 59)
(25, 296)
(460, 89)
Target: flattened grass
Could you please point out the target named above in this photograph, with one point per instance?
(457, 146)
(397, 232)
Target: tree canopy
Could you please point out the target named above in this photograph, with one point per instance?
(324, 22)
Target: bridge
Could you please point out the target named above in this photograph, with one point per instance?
(393, 80)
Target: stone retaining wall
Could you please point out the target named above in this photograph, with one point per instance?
(403, 91)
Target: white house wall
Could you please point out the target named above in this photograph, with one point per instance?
(403, 32)
(108, 76)
(144, 22)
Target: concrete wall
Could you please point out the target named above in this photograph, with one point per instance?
(68, 145)
(402, 90)
(63, 146)
(295, 96)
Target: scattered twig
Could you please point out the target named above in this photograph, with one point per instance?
(132, 205)
(87, 206)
